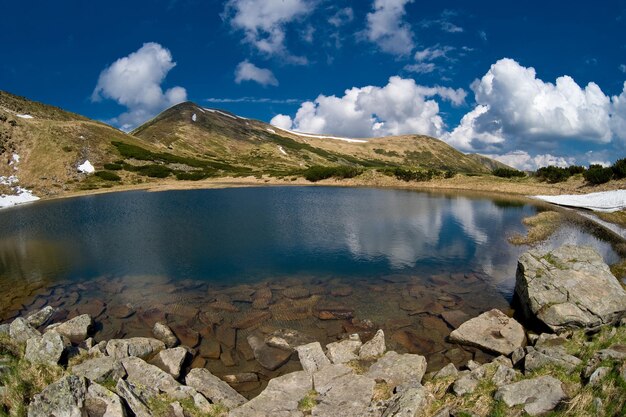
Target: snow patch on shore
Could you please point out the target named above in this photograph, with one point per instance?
(607, 201)
(22, 196)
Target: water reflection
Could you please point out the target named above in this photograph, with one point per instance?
(246, 234)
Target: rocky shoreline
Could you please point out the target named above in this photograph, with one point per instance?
(576, 367)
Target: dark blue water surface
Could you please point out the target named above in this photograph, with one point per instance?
(246, 234)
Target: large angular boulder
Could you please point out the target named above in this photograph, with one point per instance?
(142, 373)
(493, 331)
(539, 395)
(76, 329)
(100, 369)
(570, 287)
(374, 347)
(411, 400)
(162, 332)
(213, 388)
(46, 349)
(396, 369)
(171, 360)
(136, 397)
(269, 357)
(344, 350)
(342, 392)
(287, 339)
(66, 397)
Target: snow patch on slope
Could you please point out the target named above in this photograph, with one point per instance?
(280, 148)
(607, 201)
(308, 135)
(25, 116)
(194, 118)
(86, 168)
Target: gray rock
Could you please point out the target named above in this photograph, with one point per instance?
(344, 350)
(5, 329)
(142, 373)
(504, 375)
(396, 369)
(312, 357)
(550, 340)
(598, 375)
(465, 384)
(517, 355)
(409, 402)
(472, 365)
(241, 378)
(171, 360)
(213, 388)
(269, 357)
(287, 339)
(615, 352)
(41, 317)
(279, 399)
(374, 347)
(539, 395)
(537, 358)
(46, 349)
(100, 401)
(136, 397)
(570, 287)
(447, 371)
(503, 360)
(326, 378)
(66, 398)
(100, 369)
(163, 333)
(76, 329)
(20, 331)
(493, 331)
(348, 395)
(140, 347)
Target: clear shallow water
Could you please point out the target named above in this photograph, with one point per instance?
(397, 258)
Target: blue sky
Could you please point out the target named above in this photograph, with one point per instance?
(530, 82)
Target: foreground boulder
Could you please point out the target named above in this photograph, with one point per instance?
(140, 347)
(102, 402)
(570, 287)
(66, 398)
(539, 395)
(47, 349)
(396, 369)
(493, 331)
(100, 369)
(20, 330)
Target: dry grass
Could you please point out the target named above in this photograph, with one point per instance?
(618, 217)
(382, 392)
(540, 227)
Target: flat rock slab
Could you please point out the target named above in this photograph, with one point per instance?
(279, 399)
(349, 396)
(213, 388)
(141, 347)
(493, 331)
(570, 287)
(537, 358)
(141, 373)
(396, 369)
(413, 400)
(539, 395)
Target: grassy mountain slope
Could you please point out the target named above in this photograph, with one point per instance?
(489, 163)
(52, 144)
(219, 135)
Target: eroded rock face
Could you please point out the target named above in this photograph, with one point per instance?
(539, 395)
(493, 331)
(213, 388)
(570, 287)
(66, 398)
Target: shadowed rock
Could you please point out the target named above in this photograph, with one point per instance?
(41, 317)
(269, 357)
(76, 329)
(46, 349)
(213, 388)
(100, 401)
(162, 332)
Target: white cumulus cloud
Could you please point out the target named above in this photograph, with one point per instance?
(524, 161)
(387, 28)
(246, 71)
(264, 22)
(400, 107)
(135, 82)
(515, 108)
